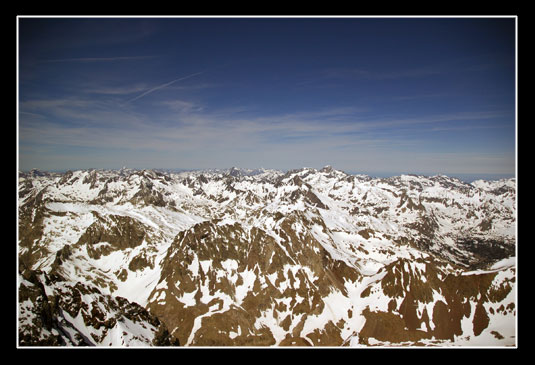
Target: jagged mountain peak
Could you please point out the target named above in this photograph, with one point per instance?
(265, 257)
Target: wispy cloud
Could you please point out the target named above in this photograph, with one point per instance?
(115, 90)
(58, 106)
(182, 106)
(346, 135)
(420, 96)
(98, 59)
(358, 73)
(361, 73)
(188, 122)
(75, 111)
(437, 118)
(32, 114)
(466, 128)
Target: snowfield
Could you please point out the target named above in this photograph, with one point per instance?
(261, 257)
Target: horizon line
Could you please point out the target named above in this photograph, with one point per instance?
(460, 176)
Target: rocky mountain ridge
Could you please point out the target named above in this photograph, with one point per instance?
(263, 257)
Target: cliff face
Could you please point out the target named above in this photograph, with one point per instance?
(55, 312)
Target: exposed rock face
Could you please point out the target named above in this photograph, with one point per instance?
(55, 312)
(264, 258)
(115, 231)
(464, 301)
(216, 266)
(32, 212)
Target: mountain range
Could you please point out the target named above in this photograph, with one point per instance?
(240, 257)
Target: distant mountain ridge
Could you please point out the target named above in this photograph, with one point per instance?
(240, 257)
(465, 177)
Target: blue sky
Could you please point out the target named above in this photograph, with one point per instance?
(370, 95)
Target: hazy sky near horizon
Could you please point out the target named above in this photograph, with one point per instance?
(371, 95)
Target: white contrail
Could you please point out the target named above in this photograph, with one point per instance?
(162, 86)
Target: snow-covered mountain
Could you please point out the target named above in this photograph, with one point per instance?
(261, 257)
